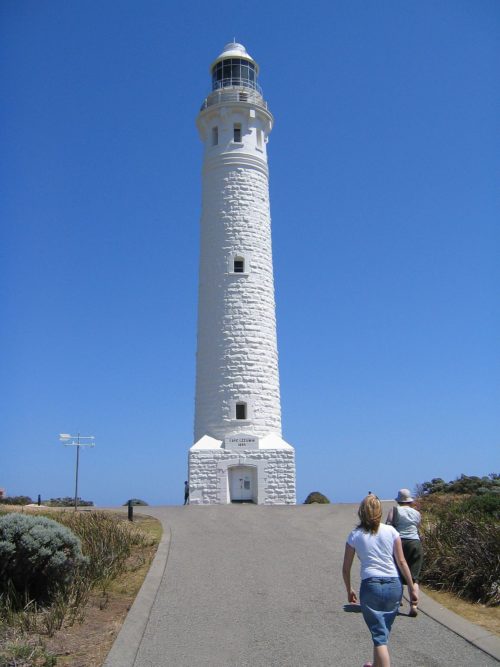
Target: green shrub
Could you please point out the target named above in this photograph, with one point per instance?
(486, 505)
(461, 541)
(67, 502)
(316, 497)
(109, 545)
(16, 500)
(38, 556)
(436, 485)
(465, 484)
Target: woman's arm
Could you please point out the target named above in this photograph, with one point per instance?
(404, 569)
(346, 573)
(389, 517)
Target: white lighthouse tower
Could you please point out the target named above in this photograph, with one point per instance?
(239, 454)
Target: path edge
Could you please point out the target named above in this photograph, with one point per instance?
(483, 639)
(126, 645)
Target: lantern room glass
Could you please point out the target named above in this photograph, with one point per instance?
(231, 72)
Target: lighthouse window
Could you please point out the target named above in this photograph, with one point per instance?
(239, 265)
(215, 136)
(259, 138)
(237, 133)
(241, 410)
(233, 72)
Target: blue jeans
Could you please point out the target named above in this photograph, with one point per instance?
(380, 598)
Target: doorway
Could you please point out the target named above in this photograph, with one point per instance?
(242, 484)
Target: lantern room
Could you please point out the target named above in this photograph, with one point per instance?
(234, 68)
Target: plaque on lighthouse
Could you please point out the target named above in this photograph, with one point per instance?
(242, 441)
(239, 454)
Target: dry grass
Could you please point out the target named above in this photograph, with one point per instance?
(461, 540)
(84, 639)
(87, 644)
(486, 617)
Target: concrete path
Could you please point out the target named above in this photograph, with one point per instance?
(254, 586)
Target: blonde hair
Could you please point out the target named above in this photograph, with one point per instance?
(370, 513)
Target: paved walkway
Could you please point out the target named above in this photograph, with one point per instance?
(254, 586)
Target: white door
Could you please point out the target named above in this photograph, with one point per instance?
(241, 484)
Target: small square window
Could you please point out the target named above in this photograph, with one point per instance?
(215, 136)
(259, 138)
(241, 410)
(239, 265)
(237, 133)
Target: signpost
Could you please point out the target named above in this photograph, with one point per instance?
(64, 437)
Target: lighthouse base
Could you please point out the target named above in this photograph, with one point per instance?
(253, 471)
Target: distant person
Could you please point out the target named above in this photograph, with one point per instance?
(186, 493)
(377, 547)
(406, 520)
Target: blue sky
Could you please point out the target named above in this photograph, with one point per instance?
(384, 198)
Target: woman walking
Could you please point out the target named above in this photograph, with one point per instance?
(377, 547)
(406, 520)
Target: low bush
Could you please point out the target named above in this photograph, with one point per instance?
(110, 545)
(67, 502)
(316, 497)
(38, 556)
(461, 540)
(105, 541)
(465, 484)
(486, 506)
(16, 500)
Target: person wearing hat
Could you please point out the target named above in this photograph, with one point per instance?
(406, 520)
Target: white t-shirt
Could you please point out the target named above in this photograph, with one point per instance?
(375, 551)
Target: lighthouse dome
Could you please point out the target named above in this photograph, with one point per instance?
(235, 50)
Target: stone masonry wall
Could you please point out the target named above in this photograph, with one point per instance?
(276, 475)
(237, 356)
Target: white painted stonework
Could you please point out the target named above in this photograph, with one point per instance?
(239, 454)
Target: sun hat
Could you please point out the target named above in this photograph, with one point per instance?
(404, 496)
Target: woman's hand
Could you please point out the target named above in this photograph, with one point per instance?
(346, 573)
(413, 597)
(352, 597)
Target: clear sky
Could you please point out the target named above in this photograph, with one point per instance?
(384, 166)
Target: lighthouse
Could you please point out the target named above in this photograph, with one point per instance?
(239, 454)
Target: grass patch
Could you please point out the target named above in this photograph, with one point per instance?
(19, 653)
(81, 623)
